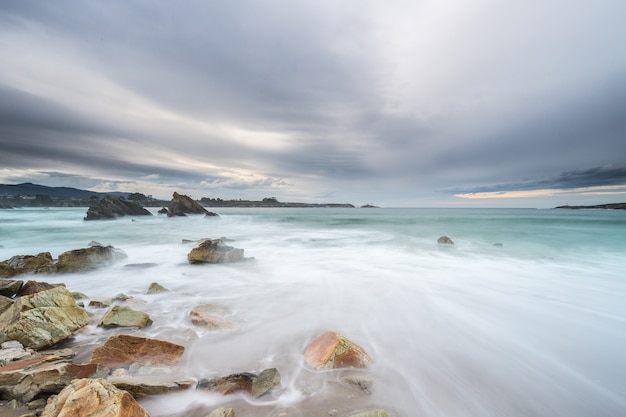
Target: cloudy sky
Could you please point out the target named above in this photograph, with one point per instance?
(396, 103)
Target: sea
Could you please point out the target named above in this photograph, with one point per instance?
(525, 315)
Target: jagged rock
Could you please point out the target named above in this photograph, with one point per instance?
(5, 303)
(93, 397)
(156, 288)
(122, 316)
(182, 205)
(125, 350)
(114, 207)
(43, 373)
(255, 385)
(33, 287)
(445, 240)
(204, 315)
(42, 319)
(144, 386)
(222, 412)
(331, 350)
(79, 295)
(214, 251)
(24, 264)
(163, 211)
(87, 259)
(9, 287)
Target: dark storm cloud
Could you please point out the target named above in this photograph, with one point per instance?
(323, 94)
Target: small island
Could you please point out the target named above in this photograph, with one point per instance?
(612, 206)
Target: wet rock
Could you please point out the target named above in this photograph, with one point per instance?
(205, 315)
(93, 397)
(122, 316)
(222, 412)
(445, 240)
(156, 288)
(33, 287)
(255, 385)
(145, 386)
(372, 413)
(214, 251)
(125, 350)
(79, 295)
(100, 302)
(9, 288)
(163, 211)
(331, 350)
(121, 297)
(25, 264)
(114, 207)
(43, 374)
(37, 404)
(12, 351)
(365, 384)
(182, 205)
(42, 319)
(87, 259)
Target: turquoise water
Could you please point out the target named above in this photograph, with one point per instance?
(533, 326)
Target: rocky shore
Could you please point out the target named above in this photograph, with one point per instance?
(45, 372)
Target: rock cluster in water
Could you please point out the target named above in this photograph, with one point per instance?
(113, 207)
(36, 316)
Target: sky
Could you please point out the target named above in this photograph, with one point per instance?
(435, 103)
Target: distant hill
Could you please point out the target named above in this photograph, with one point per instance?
(30, 189)
(613, 206)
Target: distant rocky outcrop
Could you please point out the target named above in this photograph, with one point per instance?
(114, 207)
(612, 206)
(214, 251)
(181, 205)
(445, 240)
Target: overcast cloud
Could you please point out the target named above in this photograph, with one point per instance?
(409, 103)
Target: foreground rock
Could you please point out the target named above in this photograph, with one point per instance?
(93, 397)
(181, 205)
(214, 251)
(9, 288)
(40, 374)
(331, 350)
(209, 317)
(114, 207)
(125, 350)
(40, 320)
(88, 259)
(122, 316)
(255, 385)
(140, 387)
(25, 264)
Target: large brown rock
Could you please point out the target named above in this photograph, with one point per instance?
(32, 287)
(214, 251)
(124, 350)
(331, 350)
(114, 207)
(94, 398)
(42, 319)
(87, 259)
(25, 264)
(182, 205)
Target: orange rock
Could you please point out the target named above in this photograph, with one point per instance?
(124, 350)
(331, 350)
(91, 397)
